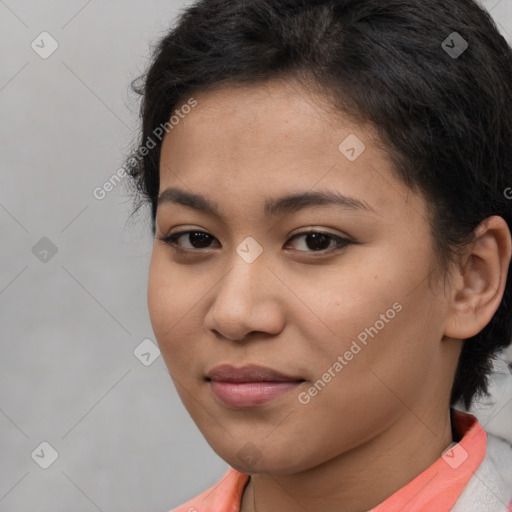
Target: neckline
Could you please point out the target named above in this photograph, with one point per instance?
(468, 435)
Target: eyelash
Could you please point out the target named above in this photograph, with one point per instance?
(342, 242)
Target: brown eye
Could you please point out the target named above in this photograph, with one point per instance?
(196, 239)
(316, 241)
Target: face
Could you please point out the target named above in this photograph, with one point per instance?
(349, 313)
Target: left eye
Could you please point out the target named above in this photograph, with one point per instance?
(316, 241)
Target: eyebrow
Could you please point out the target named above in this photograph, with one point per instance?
(281, 205)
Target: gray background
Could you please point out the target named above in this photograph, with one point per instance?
(70, 323)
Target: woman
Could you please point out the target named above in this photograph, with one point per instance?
(329, 275)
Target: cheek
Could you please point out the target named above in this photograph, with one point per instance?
(160, 303)
(382, 357)
(171, 291)
(380, 317)
(359, 305)
(171, 308)
(176, 297)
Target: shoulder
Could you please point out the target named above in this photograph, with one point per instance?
(225, 495)
(494, 408)
(499, 453)
(490, 488)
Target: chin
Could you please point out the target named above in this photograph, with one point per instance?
(250, 460)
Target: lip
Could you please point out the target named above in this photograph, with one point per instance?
(250, 394)
(248, 373)
(249, 386)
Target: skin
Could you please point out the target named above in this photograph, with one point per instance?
(296, 310)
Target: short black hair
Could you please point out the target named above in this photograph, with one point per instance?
(442, 110)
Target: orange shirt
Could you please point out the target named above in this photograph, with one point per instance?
(435, 489)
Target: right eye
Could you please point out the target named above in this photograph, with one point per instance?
(196, 239)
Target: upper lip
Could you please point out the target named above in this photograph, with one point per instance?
(248, 373)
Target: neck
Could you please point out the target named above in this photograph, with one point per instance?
(359, 479)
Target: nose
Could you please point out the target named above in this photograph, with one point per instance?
(248, 299)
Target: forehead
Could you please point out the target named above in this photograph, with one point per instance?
(243, 143)
(260, 112)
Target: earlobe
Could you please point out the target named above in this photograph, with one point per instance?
(478, 287)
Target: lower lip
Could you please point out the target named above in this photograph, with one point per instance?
(250, 394)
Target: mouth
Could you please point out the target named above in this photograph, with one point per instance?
(249, 373)
(250, 385)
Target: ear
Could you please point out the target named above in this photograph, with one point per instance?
(479, 280)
